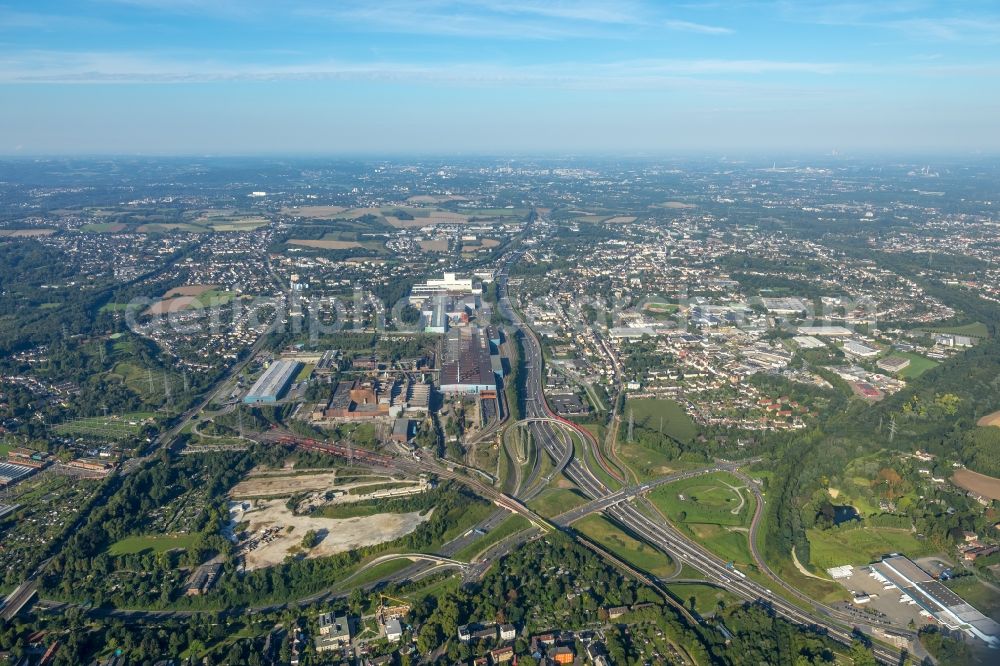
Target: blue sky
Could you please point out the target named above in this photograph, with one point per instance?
(484, 76)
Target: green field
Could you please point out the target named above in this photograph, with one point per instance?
(976, 330)
(511, 525)
(648, 412)
(149, 385)
(554, 501)
(103, 227)
(114, 307)
(728, 543)
(645, 462)
(378, 571)
(703, 507)
(706, 499)
(305, 372)
(918, 364)
(862, 545)
(113, 427)
(636, 553)
(156, 543)
(706, 597)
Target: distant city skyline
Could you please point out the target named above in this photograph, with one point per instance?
(484, 76)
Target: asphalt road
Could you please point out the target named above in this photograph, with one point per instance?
(659, 535)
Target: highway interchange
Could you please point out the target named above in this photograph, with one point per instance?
(616, 504)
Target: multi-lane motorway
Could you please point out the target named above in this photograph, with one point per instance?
(618, 506)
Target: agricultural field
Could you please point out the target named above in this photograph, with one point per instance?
(437, 245)
(861, 545)
(25, 233)
(314, 212)
(326, 244)
(987, 486)
(990, 420)
(647, 412)
(163, 227)
(104, 227)
(633, 551)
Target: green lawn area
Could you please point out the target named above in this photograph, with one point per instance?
(985, 599)
(157, 543)
(706, 499)
(436, 588)
(378, 571)
(645, 462)
(706, 597)
(918, 364)
(305, 372)
(862, 545)
(511, 525)
(648, 411)
(976, 330)
(554, 501)
(731, 545)
(636, 553)
(601, 474)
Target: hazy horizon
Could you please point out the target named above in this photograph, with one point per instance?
(483, 77)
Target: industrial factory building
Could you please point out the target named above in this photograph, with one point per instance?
(947, 607)
(273, 382)
(467, 367)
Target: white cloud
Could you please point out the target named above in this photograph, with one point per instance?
(700, 28)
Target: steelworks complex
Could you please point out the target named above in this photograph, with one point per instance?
(274, 382)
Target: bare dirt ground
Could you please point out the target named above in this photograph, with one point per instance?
(326, 244)
(283, 485)
(987, 486)
(620, 219)
(175, 304)
(189, 290)
(273, 518)
(439, 245)
(990, 420)
(26, 233)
